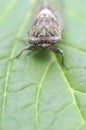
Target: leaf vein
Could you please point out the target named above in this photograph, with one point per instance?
(70, 88)
(7, 10)
(21, 29)
(39, 91)
(75, 48)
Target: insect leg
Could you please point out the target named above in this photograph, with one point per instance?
(25, 48)
(25, 41)
(60, 51)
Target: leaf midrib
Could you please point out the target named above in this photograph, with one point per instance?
(39, 91)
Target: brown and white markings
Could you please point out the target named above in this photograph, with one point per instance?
(45, 31)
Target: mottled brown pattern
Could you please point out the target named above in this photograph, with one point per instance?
(45, 32)
(47, 28)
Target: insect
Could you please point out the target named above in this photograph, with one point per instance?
(45, 32)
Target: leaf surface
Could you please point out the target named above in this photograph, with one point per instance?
(36, 91)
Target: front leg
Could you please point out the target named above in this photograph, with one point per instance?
(25, 48)
(25, 40)
(60, 51)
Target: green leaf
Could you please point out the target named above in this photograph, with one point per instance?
(36, 91)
